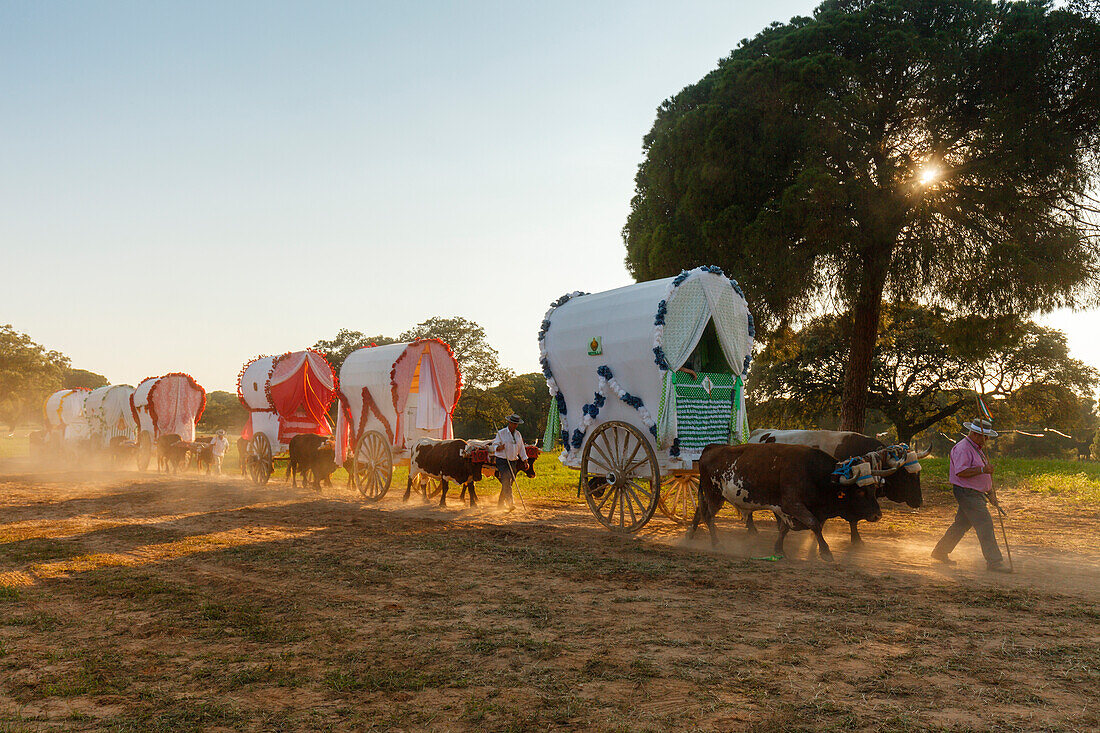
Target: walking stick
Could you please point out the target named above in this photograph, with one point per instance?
(1001, 516)
(515, 486)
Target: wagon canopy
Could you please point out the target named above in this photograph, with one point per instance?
(289, 394)
(615, 356)
(65, 413)
(405, 391)
(108, 412)
(169, 404)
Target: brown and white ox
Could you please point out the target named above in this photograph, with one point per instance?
(453, 460)
(444, 460)
(803, 486)
(902, 486)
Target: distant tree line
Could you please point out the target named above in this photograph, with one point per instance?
(29, 373)
(490, 392)
(929, 367)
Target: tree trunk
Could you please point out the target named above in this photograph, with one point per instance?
(864, 334)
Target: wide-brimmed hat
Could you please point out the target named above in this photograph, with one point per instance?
(514, 419)
(221, 432)
(983, 427)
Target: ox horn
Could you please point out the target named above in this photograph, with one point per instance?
(922, 454)
(883, 471)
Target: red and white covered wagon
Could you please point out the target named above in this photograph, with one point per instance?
(390, 397)
(165, 405)
(286, 395)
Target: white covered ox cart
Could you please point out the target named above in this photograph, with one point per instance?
(167, 405)
(286, 396)
(642, 378)
(65, 419)
(107, 410)
(390, 397)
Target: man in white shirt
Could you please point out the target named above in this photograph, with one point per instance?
(218, 446)
(511, 457)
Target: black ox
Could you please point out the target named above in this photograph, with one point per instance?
(796, 482)
(902, 486)
(312, 456)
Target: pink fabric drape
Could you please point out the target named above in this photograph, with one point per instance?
(446, 373)
(176, 402)
(401, 377)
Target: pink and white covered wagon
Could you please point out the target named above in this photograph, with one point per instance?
(166, 405)
(390, 397)
(285, 395)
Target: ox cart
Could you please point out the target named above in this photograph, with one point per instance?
(107, 410)
(65, 419)
(642, 378)
(286, 396)
(390, 397)
(167, 405)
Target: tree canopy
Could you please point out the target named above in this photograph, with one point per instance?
(345, 342)
(928, 364)
(223, 411)
(29, 372)
(479, 361)
(82, 379)
(941, 150)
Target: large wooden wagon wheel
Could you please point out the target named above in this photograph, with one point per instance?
(620, 477)
(144, 450)
(372, 465)
(680, 496)
(261, 461)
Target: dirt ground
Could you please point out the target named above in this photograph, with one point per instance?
(142, 602)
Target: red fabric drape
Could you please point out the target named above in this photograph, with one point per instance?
(301, 386)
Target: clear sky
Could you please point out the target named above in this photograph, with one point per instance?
(186, 185)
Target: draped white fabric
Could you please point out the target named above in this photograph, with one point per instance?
(429, 413)
(687, 317)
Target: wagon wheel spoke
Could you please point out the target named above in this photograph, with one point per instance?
(630, 498)
(607, 462)
(604, 468)
(641, 489)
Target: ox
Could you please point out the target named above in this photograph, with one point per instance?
(120, 449)
(164, 442)
(312, 456)
(445, 460)
(800, 484)
(204, 455)
(900, 486)
(178, 455)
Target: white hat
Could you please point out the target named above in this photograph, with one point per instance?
(983, 427)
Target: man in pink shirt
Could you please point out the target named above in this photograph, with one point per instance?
(971, 476)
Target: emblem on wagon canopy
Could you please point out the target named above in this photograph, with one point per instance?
(595, 346)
